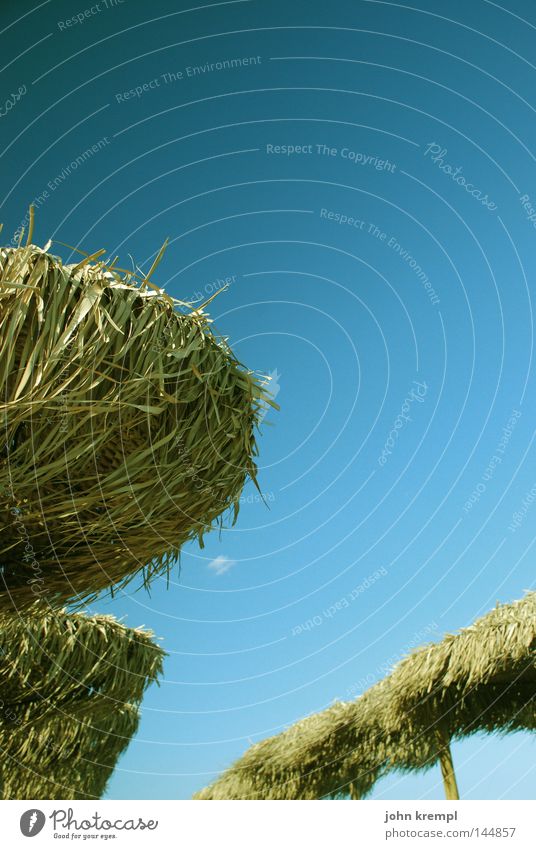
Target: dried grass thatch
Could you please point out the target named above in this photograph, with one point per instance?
(296, 764)
(339, 752)
(481, 679)
(127, 427)
(64, 758)
(70, 687)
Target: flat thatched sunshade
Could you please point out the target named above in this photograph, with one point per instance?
(481, 679)
(70, 687)
(127, 427)
(339, 752)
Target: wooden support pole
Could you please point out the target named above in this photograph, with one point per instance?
(447, 767)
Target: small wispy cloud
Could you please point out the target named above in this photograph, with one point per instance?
(221, 564)
(272, 387)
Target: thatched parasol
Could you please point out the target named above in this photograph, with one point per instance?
(70, 687)
(481, 679)
(339, 752)
(127, 426)
(64, 757)
(296, 764)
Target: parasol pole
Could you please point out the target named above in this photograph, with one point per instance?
(447, 767)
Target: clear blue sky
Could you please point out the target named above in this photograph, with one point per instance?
(417, 124)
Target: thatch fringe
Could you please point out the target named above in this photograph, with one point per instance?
(481, 679)
(65, 757)
(69, 658)
(127, 427)
(70, 689)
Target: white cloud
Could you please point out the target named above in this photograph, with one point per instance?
(221, 564)
(272, 387)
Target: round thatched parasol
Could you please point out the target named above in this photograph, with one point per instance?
(481, 679)
(70, 687)
(64, 757)
(127, 426)
(62, 660)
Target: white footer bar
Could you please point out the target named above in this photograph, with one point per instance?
(269, 825)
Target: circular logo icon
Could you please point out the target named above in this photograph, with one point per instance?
(32, 822)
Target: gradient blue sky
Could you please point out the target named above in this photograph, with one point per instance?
(336, 309)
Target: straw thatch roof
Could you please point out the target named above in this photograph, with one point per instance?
(69, 659)
(127, 426)
(70, 687)
(481, 679)
(340, 751)
(64, 757)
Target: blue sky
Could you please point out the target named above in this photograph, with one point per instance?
(365, 182)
